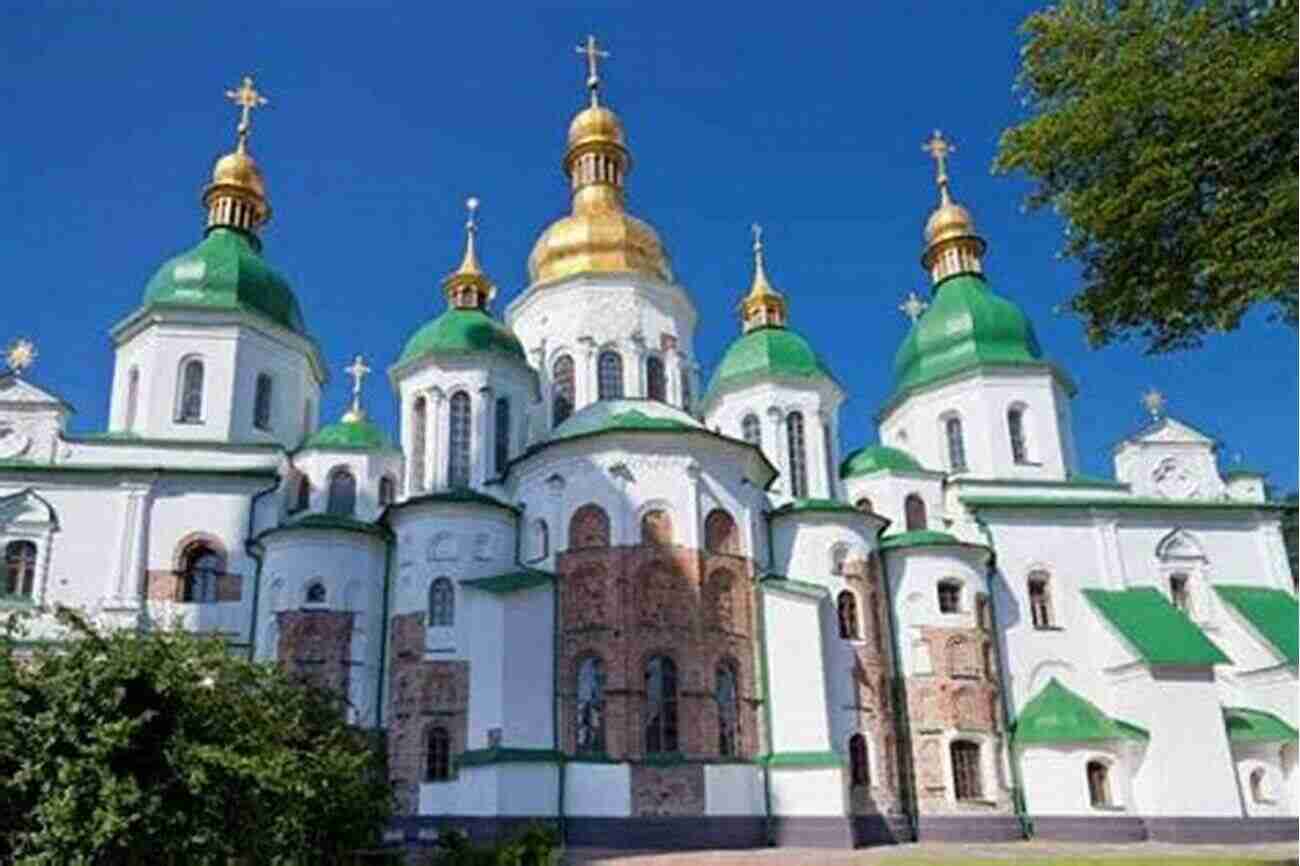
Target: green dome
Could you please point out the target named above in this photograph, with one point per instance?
(965, 326)
(349, 436)
(875, 458)
(624, 415)
(459, 331)
(225, 272)
(767, 353)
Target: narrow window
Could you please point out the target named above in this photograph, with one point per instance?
(1257, 792)
(609, 376)
(686, 388)
(863, 505)
(590, 715)
(1040, 601)
(720, 533)
(724, 693)
(343, 494)
(830, 459)
(315, 593)
(1178, 593)
(949, 596)
(190, 410)
(589, 527)
(442, 603)
(1016, 432)
(966, 770)
(656, 387)
(859, 768)
(387, 490)
(202, 567)
(561, 390)
(661, 706)
(541, 540)
(847, 608)
(262, 402)
(751, 431)
(419, 422)
(437, 757)
(914, 513)
(308, 414)
(656, 528)
(303, 499)
(1098, 784)
(458, 432)
(501, 453)
(798, 458)
(20, 569)
(132, 397)
(956, 447)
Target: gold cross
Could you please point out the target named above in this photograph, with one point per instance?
(913, 306)
(938, 147)
(247, 98)
(594, 55)
(357, 370)
(758, 237)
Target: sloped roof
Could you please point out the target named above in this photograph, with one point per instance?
(1058, 715)
(1256, 726)
(1274, 613)
(1159, 633)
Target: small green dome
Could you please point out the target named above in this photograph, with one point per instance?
(349, 436)
(965, 326)
(605, 416)
(875, 458)
(767, 353)
(458, 331)
(225, 272)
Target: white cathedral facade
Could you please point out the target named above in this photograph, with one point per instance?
(588, 585)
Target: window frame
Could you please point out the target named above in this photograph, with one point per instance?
(438, 765)
(1100, 785)
(333, 503)
(955, 443)
(184, 386)
(441, 610)
(915, 512)
(859, 761)
(846, 615)
(597, 744)
(656, 379)
(797, 444)
(1017, 436)
(660, 724)
(1041, 615)
(460, 440)
(729, 743)
(263, 397)
(756, 429)
(968, 771)
(563, 392)
(21, 556)
(949, 587)
(501, 435)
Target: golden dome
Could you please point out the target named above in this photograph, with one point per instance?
(239, 169)
(596, 124)
(949, 220)
(597, 238)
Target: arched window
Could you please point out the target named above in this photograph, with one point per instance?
(720, 533)
(609, 376)
(343, 493)
(442, 603)
(589, 527)
(501, 449)
(419, 423)
(437, 755)
(966, 781)
(656, 387)
(315, 593)
(1040, 600)
(458, 442)
(1178, 593)
(1016, 432)
(914, 513)
(720, 601)
(1098, 784)
(132, 397)
(20, 569)
(561, 390)
(262, 402)
(656, 528)
(847, 608)
(751, 431)
(189, 405)
(725, 694)
(201, 566)
(661, 706)
(839, 556)
(1257, 791)
(541, 539)
(864, 505)
(956, 447)
(387, 490)
(302, 498)
(798, 457)
(590, 715)
(949, 596)
(859, 768)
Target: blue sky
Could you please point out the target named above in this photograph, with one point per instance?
(384, 119)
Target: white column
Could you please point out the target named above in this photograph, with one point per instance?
(1109, 555)
(437, 465)
(134, 546)
(483, 434)
(776, 432)
(635, 383)
(585, 387)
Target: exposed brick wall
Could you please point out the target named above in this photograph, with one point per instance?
(674, 790)
(422, 693)
(170, 586)
(317, 646)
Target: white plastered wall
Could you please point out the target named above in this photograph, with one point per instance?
(1056, 782)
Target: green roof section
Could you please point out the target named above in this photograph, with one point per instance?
(608, 416)
(225, 271)
(923, 538)
(513, 581)
(802, 759)
(1274, 613)
(1160, 633)
(18, 464)
(328, 522)
(460, 332)
(1256, 726)
(452, 496)
(502, 755)
(878, 458)
(798, 587)
(833, 506)
(1058, 715)
(360, 435)
(764, 354)
(1117, 502)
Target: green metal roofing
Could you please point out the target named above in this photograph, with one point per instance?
(503, 755)
(965, 326)
(605, 416)
(1274, 613)
(803, 505)
(1125, 502)
(798, 587)
(349, 436)
(513, 581)
(225, 272)
(20, 465)
(876, 458)
(457, 332)
(1058, 715)
(1159, 632)
(767, 353)
(1256, 726)
(802, 759)
(922, 538)
(453, 496)
(329, 522)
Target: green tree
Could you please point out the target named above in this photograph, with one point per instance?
(1164, 132)
(124, 748)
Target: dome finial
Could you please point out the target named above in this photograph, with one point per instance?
(951, 245)
(357, 370)
(468, 288)
(236, 197)
(763, 306)
(938, 147)
(594, 55)
(247, 98)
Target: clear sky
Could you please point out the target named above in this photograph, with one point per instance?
(382, 120)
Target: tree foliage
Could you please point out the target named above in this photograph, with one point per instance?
(123, 748)
(1164, 131)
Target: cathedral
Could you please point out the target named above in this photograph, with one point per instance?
(588, 582)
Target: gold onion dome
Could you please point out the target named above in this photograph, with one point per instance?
(236, 198)
(468, 287)
(599, 236)
(764, 306)
(951, 244)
